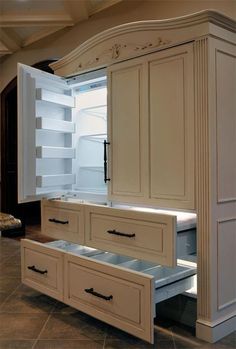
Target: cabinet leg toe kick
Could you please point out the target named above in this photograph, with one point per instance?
(212, 331)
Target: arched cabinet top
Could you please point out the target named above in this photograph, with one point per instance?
(137, 38)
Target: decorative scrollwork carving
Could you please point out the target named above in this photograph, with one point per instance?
(117, 50)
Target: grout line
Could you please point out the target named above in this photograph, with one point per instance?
(5, 260)
(49, 315)
(3, 303)
(104, 343)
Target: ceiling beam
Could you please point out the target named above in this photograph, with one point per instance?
(3, 49)
(39, 35)
(44, 20)
(10, 40)
(102, 5)
(78, 10)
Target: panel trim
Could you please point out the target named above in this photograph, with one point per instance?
(233, 301)
(219, 199)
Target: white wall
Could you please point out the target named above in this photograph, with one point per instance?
(63, 42)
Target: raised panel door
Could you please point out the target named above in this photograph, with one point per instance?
(126, 149)
(171, 127)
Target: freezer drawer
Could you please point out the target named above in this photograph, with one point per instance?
(140, 235)
(116, 289)
(117, 296)
(42, 268)
(61, 221)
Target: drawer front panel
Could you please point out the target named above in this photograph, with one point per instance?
(42, 268)
(119, 297)
(63, 224)
(148, 237)
(105, 292)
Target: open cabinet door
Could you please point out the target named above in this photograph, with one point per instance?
(45, 129)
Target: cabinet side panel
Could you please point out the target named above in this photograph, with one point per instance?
(226, 125)
(125, 131)
(226, 243)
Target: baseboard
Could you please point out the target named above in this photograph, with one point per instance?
(211, 332)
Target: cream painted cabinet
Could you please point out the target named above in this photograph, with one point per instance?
(171, 136)
(151, 129)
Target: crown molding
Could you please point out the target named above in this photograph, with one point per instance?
(136, 38)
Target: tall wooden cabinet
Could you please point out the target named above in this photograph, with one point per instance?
(151, 114)
(170, 143)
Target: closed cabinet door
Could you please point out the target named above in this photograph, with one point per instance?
(126, 105)
(171, 128)
(151, 129)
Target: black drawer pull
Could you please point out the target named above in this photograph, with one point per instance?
(99, 295)
(54, 220)
(114, 232)
(32, 267)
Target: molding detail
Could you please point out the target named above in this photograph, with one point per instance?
(118, 50)
(118, 43)
(232, 301)
(203, 190)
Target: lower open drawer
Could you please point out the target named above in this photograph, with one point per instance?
(119, 290)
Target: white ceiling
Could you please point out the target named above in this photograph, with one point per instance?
(23, 22)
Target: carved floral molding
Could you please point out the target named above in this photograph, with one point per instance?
(118, 50)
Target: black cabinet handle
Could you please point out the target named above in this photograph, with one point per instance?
(105, 143)
(54, 220)
(99, 295)
(114, 232)
(32, 267)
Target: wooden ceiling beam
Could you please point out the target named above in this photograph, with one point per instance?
(78, 10)
(40, 35)
(9, 40)
(102, 5)
(44, 20)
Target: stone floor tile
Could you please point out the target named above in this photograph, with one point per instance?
(216, 346)
(3, 297)
(70, 326)
(14, 259)
(68, 344)
(8, 285)
(15, 344)
(26, 300)
(229, 340)
(10, 269)
(4, 258)
(162, 339)
(21, 326)
(123, 344)
(64, 309)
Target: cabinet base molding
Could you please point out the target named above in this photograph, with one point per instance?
(214, 331)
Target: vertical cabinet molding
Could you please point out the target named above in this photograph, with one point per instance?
(151, 129)
(202, 174)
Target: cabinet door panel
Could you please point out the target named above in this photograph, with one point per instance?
(125, 130)
(45, 129)
(171, 128)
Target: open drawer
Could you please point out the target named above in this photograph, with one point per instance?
(116, 289)
(42, 268)
(148, 236)
(62, 220)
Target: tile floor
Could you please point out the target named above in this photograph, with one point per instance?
(30, 320)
